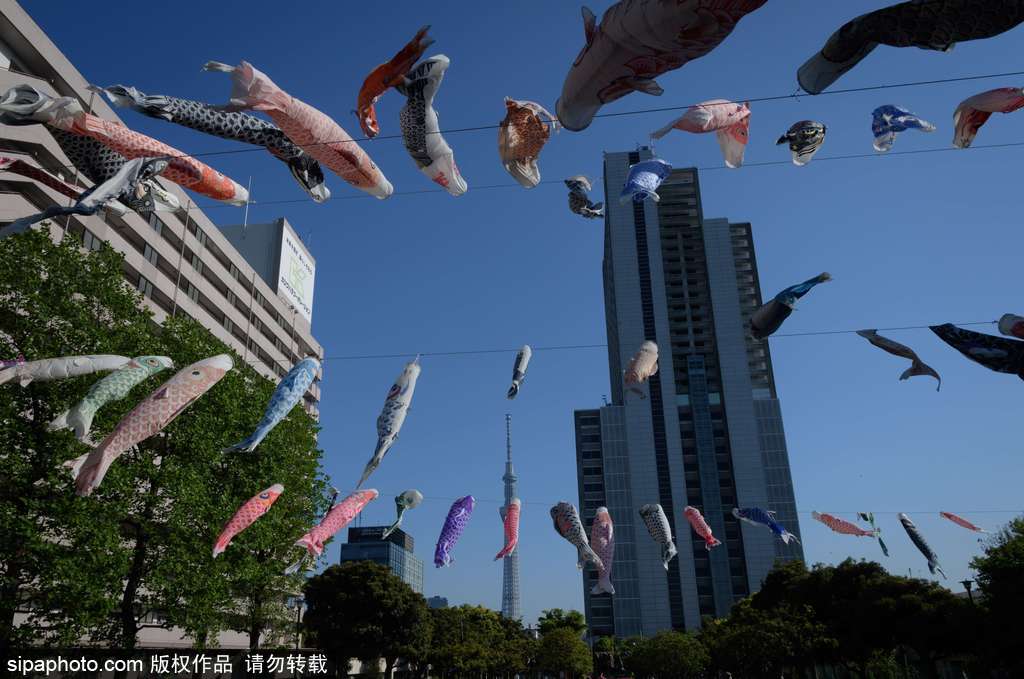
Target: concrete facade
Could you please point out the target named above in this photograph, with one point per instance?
(707, 431)
(180, 261)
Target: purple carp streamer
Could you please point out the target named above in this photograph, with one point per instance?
(233, 125)
(310, 129)
(769, 317)
(919, 542)
(454, 524)
(637, 41)
(995, 353)
(917, 367)
(928, 24)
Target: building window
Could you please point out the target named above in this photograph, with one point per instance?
(90, 241)
(155, 222)
(201, 236)
(228, 325)
(197, 263)
(193, 292)
(145, 286)
(151, 255)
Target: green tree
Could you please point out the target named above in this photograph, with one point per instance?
(555, 618)
(670, 655)
(363, 610)
(1000, 574)
(470, 640)
(562, 650)
(139, 547)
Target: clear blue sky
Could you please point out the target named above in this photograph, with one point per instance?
(910, 240)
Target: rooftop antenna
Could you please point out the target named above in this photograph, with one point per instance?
(248, 200)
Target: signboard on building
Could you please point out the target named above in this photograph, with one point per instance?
(295, 275)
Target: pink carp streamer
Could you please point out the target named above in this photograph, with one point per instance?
(975, 111)
(636, 41)
(728, 120)
(340, 516)
(311, 130)
(701, 527)
(510, 518)
(154, 413)
(960, 521)
(254, 508)
(842, 526)
(602, 541)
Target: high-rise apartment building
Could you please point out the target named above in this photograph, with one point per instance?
(180, 261)
(395, 551)
(707, 431)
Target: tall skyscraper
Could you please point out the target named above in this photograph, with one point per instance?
(395, 551)
(708, 431)
(510, 606)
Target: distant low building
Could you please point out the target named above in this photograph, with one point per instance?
(395, 552)
(437, 602)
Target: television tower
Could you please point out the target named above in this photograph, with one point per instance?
(510, 606)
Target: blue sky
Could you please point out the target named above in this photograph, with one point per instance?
(910, 240)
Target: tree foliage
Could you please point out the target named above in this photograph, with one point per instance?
(562, 650)
(138, 551)
(668, 655)
(1000, 573)
(362, 610)
(555, 618)
(469, 640)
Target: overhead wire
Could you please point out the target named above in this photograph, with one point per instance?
(576, 347)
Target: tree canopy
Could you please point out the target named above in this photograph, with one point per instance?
(555, 618)
(562, 650)
(138, 551)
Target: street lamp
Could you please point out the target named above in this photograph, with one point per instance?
(968, 584)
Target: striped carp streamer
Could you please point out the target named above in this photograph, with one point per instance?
(521, 136)
(917, 367)
(869, 518)
(386, 76)
(510, 522)
(643, 181)
(48, 369)
(995, 353)
(392, 415)
(287, 394)
(762, 517)
(931, 25)
(1012, 325)
(566, 519)
(701, 527)
(254, 508)
(25, 105)
(919, 542)
(113, 387)
(769, 317)
(579, 201)
(842, 526)
(339, 516)
(728, 120)
(127, 184)
(962, 522)
(975, 111)
(406, 500)
(519, 370)
(151, 416)
(310, 129)
(887, 121)
(233, 125)
(454, 525)
(804, 138)
(421, 131)
(660, 530)
(637, 41)
(602, 541)
(643, 364)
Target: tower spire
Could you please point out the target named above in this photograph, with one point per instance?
(510, 604)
